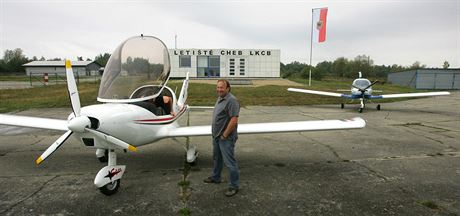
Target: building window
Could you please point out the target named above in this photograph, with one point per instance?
(208, 66)
(185, 61)
(231, 72)
(242, 68)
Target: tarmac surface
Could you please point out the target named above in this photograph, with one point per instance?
(406, 161)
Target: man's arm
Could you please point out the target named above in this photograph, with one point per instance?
(230, 127)
(169, 102)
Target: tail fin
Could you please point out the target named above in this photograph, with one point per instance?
(360, 74)
(182, 100)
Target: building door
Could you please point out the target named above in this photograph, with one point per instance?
(237, 67)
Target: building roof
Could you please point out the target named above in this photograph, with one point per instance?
(57, 63)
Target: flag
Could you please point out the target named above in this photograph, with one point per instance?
(319, 24)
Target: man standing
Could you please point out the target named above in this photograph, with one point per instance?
(224, 136)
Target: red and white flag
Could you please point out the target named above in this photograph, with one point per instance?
(319, 24)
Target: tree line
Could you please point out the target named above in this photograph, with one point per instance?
(346, 68)
(12, 60)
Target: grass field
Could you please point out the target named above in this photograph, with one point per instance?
(199, 94)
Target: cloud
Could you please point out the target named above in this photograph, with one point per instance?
(393, 32)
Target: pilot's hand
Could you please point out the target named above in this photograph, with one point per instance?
(173, 114)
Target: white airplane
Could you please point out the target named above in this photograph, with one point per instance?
(138, 71)
(362, 89)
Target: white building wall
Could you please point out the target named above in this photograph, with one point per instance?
(257, 62)
(39, 71)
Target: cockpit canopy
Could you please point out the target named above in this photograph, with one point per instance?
(361, 83)
(138, 61)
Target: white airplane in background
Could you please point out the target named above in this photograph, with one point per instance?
(138, 71)
(362, 89)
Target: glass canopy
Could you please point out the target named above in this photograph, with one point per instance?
(138, 62)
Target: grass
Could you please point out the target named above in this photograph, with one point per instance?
(430, 204)
(14, 78)
(56, 96)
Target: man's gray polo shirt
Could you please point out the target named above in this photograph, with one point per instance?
(224, 109)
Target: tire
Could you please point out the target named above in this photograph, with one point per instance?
(342, 106)
(105, 158)
(110, 188)
(378, 107)
(360, 110)
(194, 163)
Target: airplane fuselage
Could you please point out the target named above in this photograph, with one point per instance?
(131, 123)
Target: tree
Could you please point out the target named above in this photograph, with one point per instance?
(446, 65)
(42, 59)
(339, 66)
(102, 59)
(13, 60)
(417, 65)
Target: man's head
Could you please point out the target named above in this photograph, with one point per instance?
(223, 87)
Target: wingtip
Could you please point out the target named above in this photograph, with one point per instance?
(360, 120)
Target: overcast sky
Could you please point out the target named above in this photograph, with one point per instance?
(391, 32)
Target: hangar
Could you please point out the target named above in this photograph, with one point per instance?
(228, 63)
(80, 68)
(427, 78)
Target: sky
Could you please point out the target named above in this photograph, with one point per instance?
(390, 32)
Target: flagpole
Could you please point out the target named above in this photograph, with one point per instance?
(311, 47)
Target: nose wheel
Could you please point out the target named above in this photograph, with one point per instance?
(109, 177)
(378, 107)
(110, 188)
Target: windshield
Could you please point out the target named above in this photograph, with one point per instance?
(361, 83)
(138, 61)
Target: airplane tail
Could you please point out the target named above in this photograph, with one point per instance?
(182, 100)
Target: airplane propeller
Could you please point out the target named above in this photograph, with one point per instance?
(78, 123)
(362, 90)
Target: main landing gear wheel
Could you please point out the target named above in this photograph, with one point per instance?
(110, 188)
(104, 158)
(194, 163)
(342, 106)
(360, 110)
(378, 107)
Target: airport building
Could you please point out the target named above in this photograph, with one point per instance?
(427, 78)
(80, 68)
(227, 63)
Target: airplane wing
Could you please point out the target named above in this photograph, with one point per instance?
(35, 122)
(332, 94)
(274, 127)
(422, 94)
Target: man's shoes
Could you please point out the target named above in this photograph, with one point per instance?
(231, 192)
(211, 180)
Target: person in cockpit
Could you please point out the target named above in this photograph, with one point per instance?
(165, 103)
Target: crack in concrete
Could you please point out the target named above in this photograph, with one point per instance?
(323, 144)
(427, 137)
(30, 195)
(387, 115)
(373, 172)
